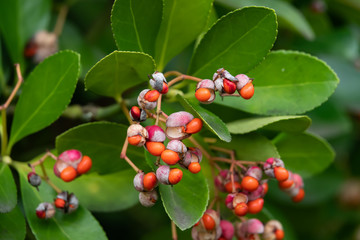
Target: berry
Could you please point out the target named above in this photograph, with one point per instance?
(170, 157)
(134, 140)
(175, 176)
(68, 174)
(229, 86)
(265, 186)
(150, 181)
(152, 96)
(34, 179)
(139, 181)
(203, 94)
(242, 81)
(137, 135)
(145, 104)
(279, 234)
(281, 174)
(148, 199)
(66, 202)
(165, 88)
(208, 221)
(300, 196)
(59, 203)
(176, 123)
(227, 230)
(194, 167)
(155, 134)
(194, 126)
(229, 187)
(71, 156)
(254, 172)
(162, 174)
(247, 91)
(85, 165)
(249, 183)
(241, 209)
(137, 114)
(286, 184)
(155, 148)
(254, 226)
(45, 210)
(255, 206)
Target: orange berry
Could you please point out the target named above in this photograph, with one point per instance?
(281, 174)
(279, 234)
(194, 126)
(60, 203)
(149, 181)
(175, 176)
(134, 140)
(286, 184)
(152, 96)
(85, 165)
(170, 157)
(247, 91)
(68, 174)
(241, 209)
(249, 183)
(300, 196)
(194, 167)
(255, 206)
(208, 221)
(155, 148)
(229, 187)
(203, 94)
(265, 186)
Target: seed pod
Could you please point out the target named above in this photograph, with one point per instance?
(270, 229)
(158, 82)
(137, 135)
(270, 164)
(227, 229)
(46, 44)
(45, 210)
(239, 198)
(258, 193)
(64, 171)
(220, 179)
(34, 179)
(72, 157)
(229, 200)
(205, 91)
(254, 172)
(254, 226)
(177, 146)
(137, 114)
(176, 125)
(168, 176)
(191, 160)
(143, 103)
(148, 199)
(66, 202)
(155, 134)
(139, 181)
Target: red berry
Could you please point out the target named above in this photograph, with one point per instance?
(300, 196)
(194, 167)
(208, 221)
(241, 209)
(255, 206)
(281, 174)
(229, 86)
(249, 183)
(165, 88)
(60, 203)
(279, 234)
(203, 94)
(152, 96)
(229, 187)
(85, 165)
(247, 91)
(286, 184)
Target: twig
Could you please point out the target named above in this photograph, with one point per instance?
(61, 20)
(51, 184)
(173, 231)
(158, 110)
(183, 77)
(16, 88)
(125, 111)
(132, 164)
(172, 73)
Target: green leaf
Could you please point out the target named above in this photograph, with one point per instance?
(117, 72)
(237, 42)
(210, 120)
(185, 202)
(183, 21)
(287, 82)
(304, 153)
(12, 225)
(100, 193)
(135, 24)
(46, 93)
(77, 225)
(8, 197)
(103, 142)
(288, 16)
(251, 147)
(276, 123)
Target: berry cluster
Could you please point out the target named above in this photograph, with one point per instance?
(224, 83)
(178, 126)
(65, 202)
(69, 165)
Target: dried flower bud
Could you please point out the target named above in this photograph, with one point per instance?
(45, 210)
(34, 179)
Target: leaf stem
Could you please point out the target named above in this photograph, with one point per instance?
(183, 77)
(16, 88)
(4, 136)
(158, 110)
(51, 184)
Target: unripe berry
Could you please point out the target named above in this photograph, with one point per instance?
(139, 181)
(241, 209)
(229, 200)
(71, 157)
(208, 222)
(149, 181)
(281, 174)
(45, 210)
(155, 148)
(148, 199)
(254, 172)
(300, 196)
(203, 94)
(194, 167)
(137, 114)
(175, 176)
(227, 230)
(170, 157)
(34, 179)
(229, 86)
(255, 206)
(85, 165)
(194, 126)
(249, 183)
(152, 96)
(162, 174)
(247, 91)
(229, 187)
(254, 226)
(155, 134)
(68, 174)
